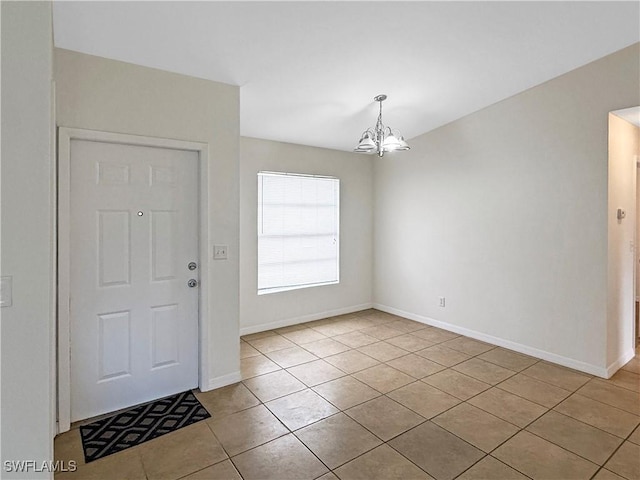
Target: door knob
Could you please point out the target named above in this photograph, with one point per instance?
(192, 282)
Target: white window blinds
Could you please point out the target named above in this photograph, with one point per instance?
(298, 220)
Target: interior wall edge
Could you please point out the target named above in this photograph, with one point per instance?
(502, 342)
(287, 322)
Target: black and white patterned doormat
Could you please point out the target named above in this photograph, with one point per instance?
(140, 424)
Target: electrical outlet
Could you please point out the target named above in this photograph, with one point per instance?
(441, 301)
(220, 252)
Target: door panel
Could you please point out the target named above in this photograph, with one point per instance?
(133, 320)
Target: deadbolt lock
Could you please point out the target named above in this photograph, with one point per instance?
(192, 265)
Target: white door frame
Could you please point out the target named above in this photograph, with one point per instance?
(65, 136)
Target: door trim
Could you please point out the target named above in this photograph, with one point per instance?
(65, 136)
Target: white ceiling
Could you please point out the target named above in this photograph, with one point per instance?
(308, 71)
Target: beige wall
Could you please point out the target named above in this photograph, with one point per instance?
(261, 312)
(27, 234)
(504, 213)
(99, 94)
(624, 145)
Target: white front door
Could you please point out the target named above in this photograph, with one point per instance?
(133, 316)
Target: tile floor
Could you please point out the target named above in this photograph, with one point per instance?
(375, 396)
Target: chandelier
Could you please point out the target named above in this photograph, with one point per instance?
(381, 139)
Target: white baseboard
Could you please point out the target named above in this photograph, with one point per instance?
(287, 322)
(518, 347)
(221, 381)
(622, 361)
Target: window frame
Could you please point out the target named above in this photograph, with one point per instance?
(285, 288)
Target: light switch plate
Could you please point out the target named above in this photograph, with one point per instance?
(6, 291)
(220, 252)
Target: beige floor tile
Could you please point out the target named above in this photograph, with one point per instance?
(577, 437)
(383, 316)
(325, 347)
(304, 335)
(371, 321)
(475, 426)
(407, 326)
(383, 351)
(508, 359)
(556, 375)
(443, 355)
(385, 417)
(635, 436)
(271, 343)
(256, 336)
(491, 469)
(337, 439)
(252, 366)
(283, 459)
(468, 345)
(336, 328)
(315, 373)
(247, 350)
(290, 357)
(247, 429)
(613, 395)
(605, 474)
(625, 379)
(537, 458)
(508, 406)
(633, 365)
(383, 378)
(273, 385)
(381, 463)
(436, 335)
(320, 322)
(125, 465)
(301, 409)
(410, 342)
(626, 461)
(68, 446)
(415, 365)
(345, 392)
(220, 471)
(290, 328)
(360, 323)
(355, 339)
(537, 391)
(438, 452)
(227, 400)
(382, 332)
(599, 415)
(424, 399)
(181, 452)
(328, 476)
(456, 384)
(351, 361)
(484, 371)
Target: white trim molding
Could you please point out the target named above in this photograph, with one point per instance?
(500, 342)
(221, 381)
(65, 136)
(621, 362)
(287, 322)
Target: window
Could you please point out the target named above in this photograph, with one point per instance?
(298, 241)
